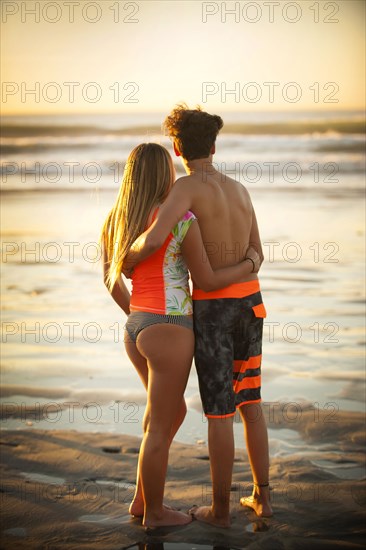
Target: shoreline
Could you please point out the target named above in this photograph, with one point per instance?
(292, 425)
(67, 489)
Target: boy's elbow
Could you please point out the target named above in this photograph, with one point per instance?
(207, 285)
(207, 288)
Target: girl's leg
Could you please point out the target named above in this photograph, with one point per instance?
(168, 350)
(137, 505)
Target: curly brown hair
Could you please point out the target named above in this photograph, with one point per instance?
(194, 131)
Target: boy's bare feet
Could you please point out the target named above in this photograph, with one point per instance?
(205, 514)
(166, 518)
(259, 501)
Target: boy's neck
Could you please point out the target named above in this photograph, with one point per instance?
(199, 166)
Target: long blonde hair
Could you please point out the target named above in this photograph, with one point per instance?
(147, 179)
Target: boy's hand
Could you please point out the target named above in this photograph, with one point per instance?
(254, 256)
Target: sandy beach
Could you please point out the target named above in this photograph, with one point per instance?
(67, 480)
(72, 404)
(71, 490)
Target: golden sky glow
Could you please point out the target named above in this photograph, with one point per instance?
(182, 51)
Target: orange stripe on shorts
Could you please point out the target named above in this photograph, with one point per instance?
(220, 415)
(251, 363)
(247, 383)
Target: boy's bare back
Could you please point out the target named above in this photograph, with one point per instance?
(225, 214)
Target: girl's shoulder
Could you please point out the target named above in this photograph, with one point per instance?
(180, 230)
(188, 216)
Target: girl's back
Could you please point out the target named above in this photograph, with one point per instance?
(160, 283)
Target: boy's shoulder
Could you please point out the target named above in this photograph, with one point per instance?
(235, 183)
(182, 179)
(184, 183)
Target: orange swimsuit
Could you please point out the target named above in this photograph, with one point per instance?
(160, 283)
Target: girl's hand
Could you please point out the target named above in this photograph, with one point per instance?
(253, 255)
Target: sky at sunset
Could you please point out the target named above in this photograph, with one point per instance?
(148, 55)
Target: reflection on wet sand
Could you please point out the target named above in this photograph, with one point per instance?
(176, 546)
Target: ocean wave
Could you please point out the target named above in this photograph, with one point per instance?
(274, 128)
(349, 190)
(232, 144)
(25, 130)
(299, 128)
(342, 147)
(111, 168)
(14, 149)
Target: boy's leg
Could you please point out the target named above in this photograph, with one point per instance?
(221, 450)
(256, 436)
(213, 359)
(247, 386)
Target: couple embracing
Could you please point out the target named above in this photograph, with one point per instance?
(159, 232)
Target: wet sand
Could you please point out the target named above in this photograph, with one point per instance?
(71, 490)
(67, 489)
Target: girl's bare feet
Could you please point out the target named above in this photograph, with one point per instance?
(166, 518)
(205, 514)
(136, 508)
(259, 501)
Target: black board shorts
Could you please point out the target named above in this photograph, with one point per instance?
(228, 349)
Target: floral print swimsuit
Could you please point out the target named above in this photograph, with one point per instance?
(160, 283)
